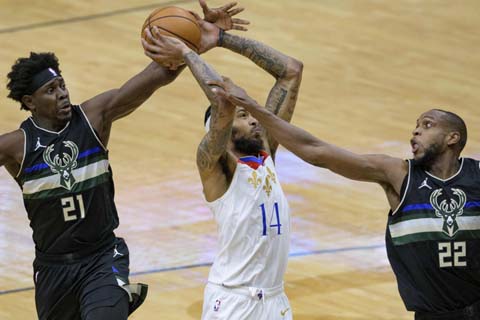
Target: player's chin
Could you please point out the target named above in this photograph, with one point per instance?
(257, 138)
(65, 116)
(418, 156)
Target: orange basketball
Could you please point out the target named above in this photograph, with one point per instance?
(175, 22)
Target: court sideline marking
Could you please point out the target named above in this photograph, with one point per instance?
(207, 264)
(88, 17)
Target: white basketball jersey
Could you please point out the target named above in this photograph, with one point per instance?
(253, 219)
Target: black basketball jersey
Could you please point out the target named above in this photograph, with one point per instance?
(67, 187)
(433, 239)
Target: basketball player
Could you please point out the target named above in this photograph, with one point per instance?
(236, 164)
(434, 221)
(59, 158)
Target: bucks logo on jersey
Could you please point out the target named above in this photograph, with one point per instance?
(64, 165)
(448, 210)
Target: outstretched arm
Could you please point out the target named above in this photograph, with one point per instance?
(114, 104)
(213, 161)
(286, 70)
(382, 169)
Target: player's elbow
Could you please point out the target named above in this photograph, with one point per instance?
(294, 69)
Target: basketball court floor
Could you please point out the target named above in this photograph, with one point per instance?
(371, 67)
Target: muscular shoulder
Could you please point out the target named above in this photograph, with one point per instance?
(12, 148)
(216, 180)
(396, 170)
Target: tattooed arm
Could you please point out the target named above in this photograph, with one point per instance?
(215, 164)
(286, 70)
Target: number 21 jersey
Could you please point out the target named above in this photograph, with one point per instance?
(67, 187)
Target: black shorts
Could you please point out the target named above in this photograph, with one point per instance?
(70, 291)
(471, 312)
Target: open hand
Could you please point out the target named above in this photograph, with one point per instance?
(223, 16)
(233, 93)
(165, 50)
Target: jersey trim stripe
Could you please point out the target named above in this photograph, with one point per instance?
(445, 180)
(43, 165)
(53, 132)
(436, 236)
(414, 230)
(91, 128)
(47, 172)
(431, 215)
(53, 181)
(406, 189)
(428, 206)
(24, 153)
(77, 188)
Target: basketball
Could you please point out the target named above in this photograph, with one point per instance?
(175, 22)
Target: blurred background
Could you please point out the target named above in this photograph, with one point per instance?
(371, 67)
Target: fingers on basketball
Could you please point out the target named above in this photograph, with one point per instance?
(174, 22)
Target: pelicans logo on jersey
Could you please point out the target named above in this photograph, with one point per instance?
(256, 181)
(448, 210)
(63, 166)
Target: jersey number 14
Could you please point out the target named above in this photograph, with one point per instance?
(275, 215)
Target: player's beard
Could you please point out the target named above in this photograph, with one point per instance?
(248, 146)
(430, 155)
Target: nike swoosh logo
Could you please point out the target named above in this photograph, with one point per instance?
(283, 312)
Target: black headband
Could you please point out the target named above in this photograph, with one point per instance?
(40, 79)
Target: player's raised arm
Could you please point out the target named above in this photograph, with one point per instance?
(373, 168)
(212, 155)
(114, 104)
(286, 70)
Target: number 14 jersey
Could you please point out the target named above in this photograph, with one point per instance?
(253, 220)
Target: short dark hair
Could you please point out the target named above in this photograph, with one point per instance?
(456, 123)
(21, 75)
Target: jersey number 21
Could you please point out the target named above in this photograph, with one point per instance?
(72, 204)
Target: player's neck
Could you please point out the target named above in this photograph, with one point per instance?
(445, 167)
(48, 124)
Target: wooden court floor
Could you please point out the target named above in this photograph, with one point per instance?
(371, 68)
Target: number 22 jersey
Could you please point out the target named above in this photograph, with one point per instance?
(433, 239)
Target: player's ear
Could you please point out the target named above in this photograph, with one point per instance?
(453, 138)
(27, 101)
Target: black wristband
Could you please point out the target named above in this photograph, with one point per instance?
(221, 33)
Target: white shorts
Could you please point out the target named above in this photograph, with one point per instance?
(245, 303)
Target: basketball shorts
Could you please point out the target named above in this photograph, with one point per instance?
(245, 303)
(70, 290)
(471, 312)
